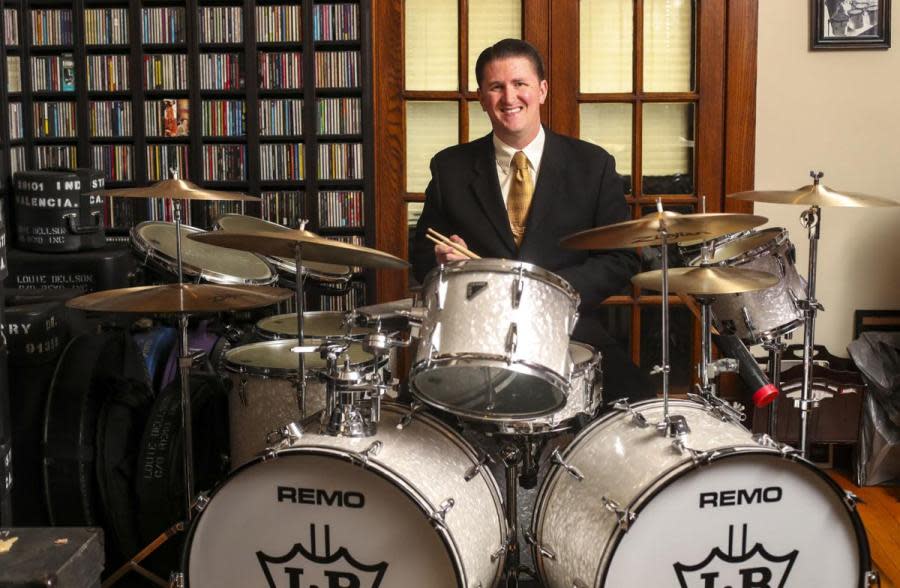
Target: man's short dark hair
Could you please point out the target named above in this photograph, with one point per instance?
(509, 48)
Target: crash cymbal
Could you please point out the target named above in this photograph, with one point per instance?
(315, 248)
(707, 280)
(177, 189)
(180, 298)
(814, 194)
(250, 224)
(645, 230)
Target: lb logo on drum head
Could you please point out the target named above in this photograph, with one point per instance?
(305, 568)
(756, 568)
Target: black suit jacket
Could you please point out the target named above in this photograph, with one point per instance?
(577, 189)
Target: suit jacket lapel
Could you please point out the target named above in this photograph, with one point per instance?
(486, 187)
(548, 183)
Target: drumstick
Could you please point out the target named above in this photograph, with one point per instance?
(442, 240)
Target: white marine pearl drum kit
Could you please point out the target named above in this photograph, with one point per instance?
(337, 485)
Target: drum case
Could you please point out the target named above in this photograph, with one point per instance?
(100, 269)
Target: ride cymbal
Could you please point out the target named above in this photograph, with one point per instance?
(175, 189)
(646, 230)
(707, 280)
(814, 194)
(315, 248)
(180, 298)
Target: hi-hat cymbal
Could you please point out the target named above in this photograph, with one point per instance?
(707, 280)
(646, 230)
(315, 248)
(814, 194)
(177, 189)
(180, 298)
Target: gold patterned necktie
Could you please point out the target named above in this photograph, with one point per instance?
(520, 192)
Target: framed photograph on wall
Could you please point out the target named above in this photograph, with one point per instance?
(850, 24)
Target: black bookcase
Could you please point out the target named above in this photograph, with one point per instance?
(114, 126)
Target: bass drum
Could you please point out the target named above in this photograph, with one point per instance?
(404, 508)
(626, 506)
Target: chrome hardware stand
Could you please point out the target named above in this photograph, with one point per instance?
(667, 426)
(512, 461)
(185, 361)
(811, 220)
(301, 356)
(353, 399)
(775, 348)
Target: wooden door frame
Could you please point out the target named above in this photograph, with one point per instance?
(736, 21)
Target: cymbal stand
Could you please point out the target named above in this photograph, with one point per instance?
(811, 220)
(301, 356)
(776, 348)
(184, 370)
(670, 425)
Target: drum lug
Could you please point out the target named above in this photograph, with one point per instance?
(370, 451)
(765, 441)
(439, 516)
(441, 294)
(242, 392)
(176, 580)
(543, 550)
(512, 341)
(518, 287)
(288, 434)
(872, 579)
(697, 456)
(408, 417)
(852, 499)
(498, 553)
(572, 322)
(636, 418)
(624, 516)
(483, 458)
(557, 458)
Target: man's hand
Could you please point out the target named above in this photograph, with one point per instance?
(445, 253)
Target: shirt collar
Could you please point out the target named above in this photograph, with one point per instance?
(533, 151)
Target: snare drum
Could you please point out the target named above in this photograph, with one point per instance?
(263, 395)
(626, 506)
(584, 398)
(155, 243)
(762, 315)
(317, 324)
(331, 274)
(404, 508)
(494, 343)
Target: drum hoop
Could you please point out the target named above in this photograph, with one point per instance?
(485, 360)
(265, 372)
(386, 473)
(504, 266)
(309, 314)
(149, 251)
(667, 477)
(579, 369)
(780, 236)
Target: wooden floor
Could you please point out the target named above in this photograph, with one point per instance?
(880, 512)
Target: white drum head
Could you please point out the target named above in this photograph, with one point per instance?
(276, 357)
(216, 264)
(746, 520)
(315, 520)
(318, 323)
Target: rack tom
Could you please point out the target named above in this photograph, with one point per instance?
(155, 243)
(762, 315)
(327, 274)
(494, 342)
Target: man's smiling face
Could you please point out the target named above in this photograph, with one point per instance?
(511, 94)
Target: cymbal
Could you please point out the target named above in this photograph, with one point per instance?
(707, 280)
(315, 248)
(177, 189)
(180, 298)
(814, 194)
(645, 230)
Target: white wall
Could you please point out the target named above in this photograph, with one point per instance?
(838, 112)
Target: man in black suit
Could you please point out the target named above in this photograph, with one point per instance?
(575, 187)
